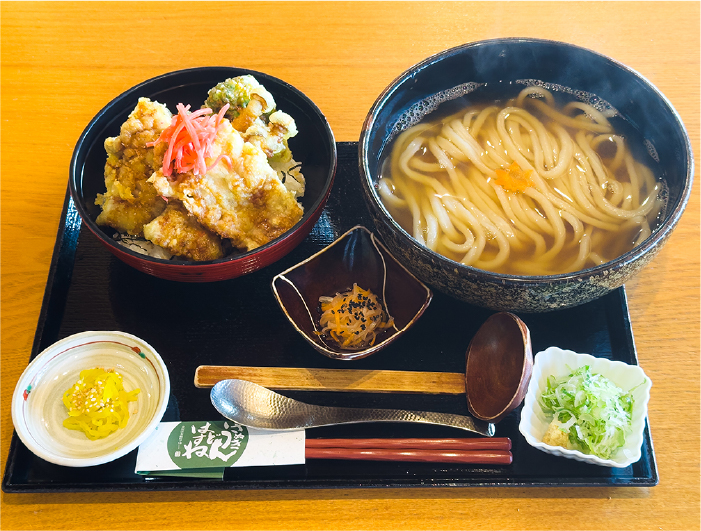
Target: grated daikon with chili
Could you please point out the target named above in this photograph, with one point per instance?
(513, 178)
(190, 138)
(353, 318)
(97, 403)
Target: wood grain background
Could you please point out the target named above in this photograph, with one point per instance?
(62, 62)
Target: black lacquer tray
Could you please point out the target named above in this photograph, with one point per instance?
(238, 322)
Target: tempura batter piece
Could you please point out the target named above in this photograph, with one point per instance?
(245, 202)
(130, 200)
(179, 232)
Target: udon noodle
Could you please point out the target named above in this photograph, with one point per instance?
(526, 188)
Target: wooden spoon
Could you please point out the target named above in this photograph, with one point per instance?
(498, 369)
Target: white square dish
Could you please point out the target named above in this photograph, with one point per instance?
(558, 362)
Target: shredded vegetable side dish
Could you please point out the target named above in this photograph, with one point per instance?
(97, 403)
(353, 318)
(589, 413)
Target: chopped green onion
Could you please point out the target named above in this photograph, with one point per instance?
(594, 412)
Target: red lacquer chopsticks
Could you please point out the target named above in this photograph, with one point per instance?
(495, 451)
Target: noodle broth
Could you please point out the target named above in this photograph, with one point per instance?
(539, 184)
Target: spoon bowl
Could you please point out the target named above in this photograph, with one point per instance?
(499, 366)
(256, 406)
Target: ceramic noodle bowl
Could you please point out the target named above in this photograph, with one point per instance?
(496, 70)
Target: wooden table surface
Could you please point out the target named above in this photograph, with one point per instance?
(62, 62)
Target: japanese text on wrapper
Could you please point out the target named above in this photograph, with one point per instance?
(208, 443)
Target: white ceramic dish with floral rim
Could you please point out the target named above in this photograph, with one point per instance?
(557, 362)
(38, 410)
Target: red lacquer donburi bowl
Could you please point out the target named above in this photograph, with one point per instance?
(314, 146)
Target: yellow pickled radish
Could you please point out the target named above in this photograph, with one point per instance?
(97, 403)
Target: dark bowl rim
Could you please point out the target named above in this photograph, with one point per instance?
(660, 234)
(95, 229)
